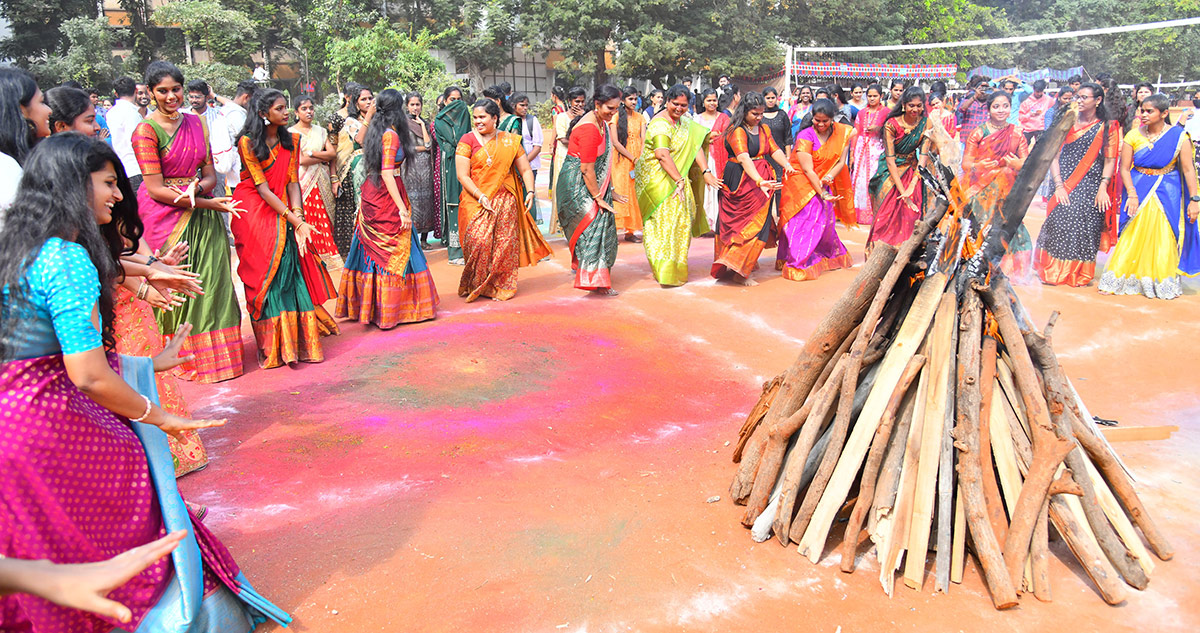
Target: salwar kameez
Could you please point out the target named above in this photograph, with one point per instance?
(1159, 244)
(1074, 232)
(450, 124)
(350, 176)
(216, 339)
(717, 158)
(669, 214)
(417, 174)
(808, 241)
(284, 290)
(386, 280)
(591, 230)
(627, 214)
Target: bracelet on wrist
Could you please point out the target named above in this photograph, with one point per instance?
(143, 290)
(151, 259)
(146, 414)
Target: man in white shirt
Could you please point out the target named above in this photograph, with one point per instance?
(220, 136)
(260, 74)
(123, 117)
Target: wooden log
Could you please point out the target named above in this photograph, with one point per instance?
(908, 339)
(756, 415)
(889, 476)
(1122, 487)
(1001, 428)
(1042, 352)
(946, 479)
(1072, 526)
(1039, 555)
(813, 426)
(891, 530)
(991, 488)
(958, 558)
(866, 491)
(801, 377)
(1085, 549)
(941, 355)
(1138, 433)
(966, 435)
(1050, 445)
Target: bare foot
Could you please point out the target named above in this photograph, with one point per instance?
(746, 281)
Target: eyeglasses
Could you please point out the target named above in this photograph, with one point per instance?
(1084, 97)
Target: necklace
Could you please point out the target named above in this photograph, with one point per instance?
(172, 118)
(483, 145)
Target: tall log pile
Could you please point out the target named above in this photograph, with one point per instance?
(927, 409)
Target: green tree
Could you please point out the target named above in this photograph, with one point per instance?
(35, 26)
(227, 34)
(222, 78)
(137, 18)
(383, 56)
(480, 34)
(327, 22)
(582, 30)
(86, 56)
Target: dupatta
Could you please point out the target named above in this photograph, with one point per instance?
(450, 124)
(905, 146)
(178, 156)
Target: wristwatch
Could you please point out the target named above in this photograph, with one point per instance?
(1195, 198)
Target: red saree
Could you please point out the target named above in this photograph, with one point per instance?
(284, 290)
(744, 210)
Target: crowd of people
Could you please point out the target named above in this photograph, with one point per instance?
(121, 226)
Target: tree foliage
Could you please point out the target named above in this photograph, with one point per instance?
(227, 34)
(222, 78)
(35, 26)
(383, 56)
(85, 57)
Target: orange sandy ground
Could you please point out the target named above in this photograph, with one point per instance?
(543, 464)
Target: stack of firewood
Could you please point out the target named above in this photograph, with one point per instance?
(927, 410)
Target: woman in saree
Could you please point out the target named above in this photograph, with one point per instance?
(386, 280)
(814, 197)
(149, 282)
(627, 133)
(1080, 217)
(285, 281)
(717, 122)
(87, 469)
(585, 194)
(748, 182)
(897, 192)
(669, 181)
(497, 232)
(576, 99)
(868, 148)
(420, 173)
(995, 152)
(450, 124)
(1160, 234)
(172, 150)
(349, 164)
(317, 150)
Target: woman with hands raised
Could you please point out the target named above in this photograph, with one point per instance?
(173, 153)
(817, 195)
(744, 223)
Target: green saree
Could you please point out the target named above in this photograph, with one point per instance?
(671, 219)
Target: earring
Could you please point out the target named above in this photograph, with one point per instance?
(265, 121)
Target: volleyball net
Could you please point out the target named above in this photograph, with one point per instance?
(1164, 53)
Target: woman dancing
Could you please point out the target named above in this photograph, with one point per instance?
(897, 193)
